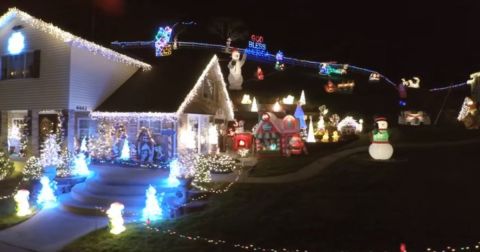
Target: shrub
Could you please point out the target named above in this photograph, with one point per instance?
(6, 166)
(33, 169)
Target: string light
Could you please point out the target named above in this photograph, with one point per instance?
(448, 87)
(72, 39)
(127, 116)
(219, 242)
(197, 87)
(33, 169)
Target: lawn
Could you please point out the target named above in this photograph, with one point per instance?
(428, 198)
(399, 135)
(8, 215)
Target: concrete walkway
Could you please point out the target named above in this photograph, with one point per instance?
(320, 164)
(49, 230)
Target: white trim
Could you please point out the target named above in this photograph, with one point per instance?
(195, 90)
(72, 39)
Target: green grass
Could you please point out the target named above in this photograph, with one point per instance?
(8, 216)
(427, 198)
(400, 135)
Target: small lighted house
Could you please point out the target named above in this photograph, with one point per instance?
(272, 134)
(52, 80)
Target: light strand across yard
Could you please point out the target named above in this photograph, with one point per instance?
(219, 242)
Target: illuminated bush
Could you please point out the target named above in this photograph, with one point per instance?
(6, 166)
(33, 169)
(217, 163)
(64, 168)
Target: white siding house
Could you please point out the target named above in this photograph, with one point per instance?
(51, 71)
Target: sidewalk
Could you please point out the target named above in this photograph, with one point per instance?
(49, 230)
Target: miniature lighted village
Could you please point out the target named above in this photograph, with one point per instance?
(248, 148)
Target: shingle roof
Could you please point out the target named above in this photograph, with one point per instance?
(162, 89)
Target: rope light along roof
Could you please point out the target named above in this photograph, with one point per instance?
(70, 38)
(194, 91)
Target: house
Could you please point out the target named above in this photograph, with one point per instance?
(53, 81)
(179, 100)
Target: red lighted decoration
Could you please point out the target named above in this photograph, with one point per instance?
(403, 247)
(330, 87)
(242, 141)
(260, 75)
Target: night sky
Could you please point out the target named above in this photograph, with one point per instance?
(439, 42)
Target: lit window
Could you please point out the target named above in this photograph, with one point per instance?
(20, 66)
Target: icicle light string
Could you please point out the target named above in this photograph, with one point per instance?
(70, 38)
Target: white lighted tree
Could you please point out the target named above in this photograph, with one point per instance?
(50, 152)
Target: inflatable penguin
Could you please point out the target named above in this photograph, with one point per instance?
(380, 148)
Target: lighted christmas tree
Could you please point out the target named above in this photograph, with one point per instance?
(300, 115)
(33, 169)
(50, 152)
(125, 155)
(254, 105)
(101, 147)
(81, 167)
(303, 101)
(46, 197)
(83, 145)
(152, 210)
(311, 135)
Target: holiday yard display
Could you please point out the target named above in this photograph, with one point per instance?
(259, 74)
(300, 116)
(218, 163)
(254, 107)
(235, 78)
(50, 152)
(380, 148)
(469, 114)
(145, 146)
(115, 214)
(81, 167)
(350, 126)
(67, 164)
(272, 134)
(46, 197)
(414, 118)
(162, 48)
(23, 205)
(152, 210)
(289, 100)
(276, 107)
(413, 83)
(311, 135)
(246, 99)
(6, 166)
(33, 169)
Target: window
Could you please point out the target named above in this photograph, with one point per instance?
(208, 89)
(20, 66)
(86, 128)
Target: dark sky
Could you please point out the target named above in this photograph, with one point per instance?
(439, 42)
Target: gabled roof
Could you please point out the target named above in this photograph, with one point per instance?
(168, 87)
(70, 38)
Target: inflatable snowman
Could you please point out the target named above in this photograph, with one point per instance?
(380, 148)
(235, 66)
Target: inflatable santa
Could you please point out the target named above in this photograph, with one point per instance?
(380, 148)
